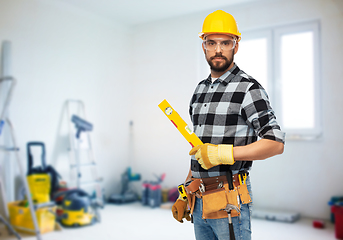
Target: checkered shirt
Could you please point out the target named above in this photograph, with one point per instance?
(234, 109)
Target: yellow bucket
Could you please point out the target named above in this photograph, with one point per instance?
(21, 219)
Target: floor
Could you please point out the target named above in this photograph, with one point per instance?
(134, 221)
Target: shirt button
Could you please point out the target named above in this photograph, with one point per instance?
(205, 105)
(212, 87)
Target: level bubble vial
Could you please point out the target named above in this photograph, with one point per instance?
(168, 110)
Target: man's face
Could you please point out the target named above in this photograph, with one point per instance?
(220, 59)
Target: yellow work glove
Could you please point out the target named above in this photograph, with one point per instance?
(180, 210)
(209, 155)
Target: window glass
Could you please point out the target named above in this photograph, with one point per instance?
(297, 80)
(252, 59)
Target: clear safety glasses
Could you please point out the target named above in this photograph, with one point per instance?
(211, 45)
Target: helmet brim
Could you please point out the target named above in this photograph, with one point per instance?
(203, 35)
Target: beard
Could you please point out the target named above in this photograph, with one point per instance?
(220, 67)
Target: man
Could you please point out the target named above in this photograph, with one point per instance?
(229, 111)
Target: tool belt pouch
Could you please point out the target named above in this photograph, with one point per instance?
(244, 194)
(232, 196)
(214, 201)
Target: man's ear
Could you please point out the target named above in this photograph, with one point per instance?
(202, 45)
(236, 47)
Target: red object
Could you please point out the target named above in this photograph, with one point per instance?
(60, 198)
(318, 224)
(173, 194)
(163, 176)
(338, 211)
(173, 123)
(59, 212)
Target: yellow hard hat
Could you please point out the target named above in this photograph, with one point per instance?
(220, 22)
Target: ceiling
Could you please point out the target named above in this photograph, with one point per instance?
(134, 12)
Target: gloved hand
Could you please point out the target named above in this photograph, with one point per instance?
(180, 210)
(209, 155)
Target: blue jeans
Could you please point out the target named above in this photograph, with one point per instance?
(218, 229)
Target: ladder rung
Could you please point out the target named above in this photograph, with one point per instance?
(80, 149)
(84, 165)
(3, 148)
(43, 205)
(92, 182)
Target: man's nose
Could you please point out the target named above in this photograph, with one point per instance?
(218, 48)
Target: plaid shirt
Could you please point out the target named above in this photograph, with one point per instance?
(234, 109)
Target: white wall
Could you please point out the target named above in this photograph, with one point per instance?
(58, 53)
(305, 177)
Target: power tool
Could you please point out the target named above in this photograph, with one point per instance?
(78, 209)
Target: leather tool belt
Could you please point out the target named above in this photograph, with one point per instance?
(216, 194)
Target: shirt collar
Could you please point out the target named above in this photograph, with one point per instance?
(226, 77)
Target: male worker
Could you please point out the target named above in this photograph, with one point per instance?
(229, 111)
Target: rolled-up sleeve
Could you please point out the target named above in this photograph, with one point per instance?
(259, 115)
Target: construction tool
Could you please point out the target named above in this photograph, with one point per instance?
(126, 194)
(244, 176)
(2, 219)
(78, 208)
(229, 179)
(10, 228)
(180, 124)
(228, 209)
(152, 192)
(182, 191)
(5, 120)
(3, 197)
(81, 125)
(42, 179)
(7, 84)
(278, 216)
(82, 161)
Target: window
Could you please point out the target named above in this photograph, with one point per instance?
(285, 60)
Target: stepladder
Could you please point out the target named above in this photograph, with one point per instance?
(7, 85)
(83, 165)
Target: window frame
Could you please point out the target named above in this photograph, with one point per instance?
(273, 35)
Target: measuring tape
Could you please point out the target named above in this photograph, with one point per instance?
(182, 191)
(179, 123)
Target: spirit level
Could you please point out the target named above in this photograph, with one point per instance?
(179, 123)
